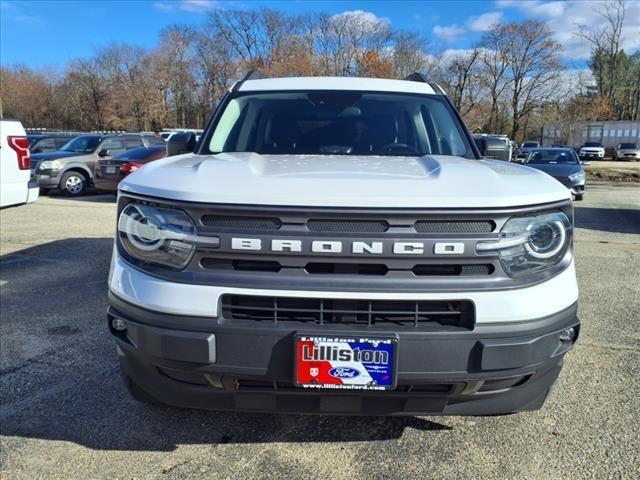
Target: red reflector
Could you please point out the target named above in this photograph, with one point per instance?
(130, 167)
(21, 146)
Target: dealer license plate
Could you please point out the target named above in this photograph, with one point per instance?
(110, 169)
(345, 363)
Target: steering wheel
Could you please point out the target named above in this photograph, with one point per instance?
(397, 147)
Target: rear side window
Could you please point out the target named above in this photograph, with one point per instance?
(60, 142)
(114, 146)
(131, 143)
(154, 140)
(44, 145)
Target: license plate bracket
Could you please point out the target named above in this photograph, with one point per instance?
(345, 362)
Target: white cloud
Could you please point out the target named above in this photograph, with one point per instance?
(198, 6)
(360, 16)
(16, 12)
(566, 19)
(483, 22)
(480, 23)
(449, 32)
(163, 6)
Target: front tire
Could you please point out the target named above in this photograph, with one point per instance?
(73, 184)
(579, 197)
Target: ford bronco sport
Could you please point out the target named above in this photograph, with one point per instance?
(340, 246)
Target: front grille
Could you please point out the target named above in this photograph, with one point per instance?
(458, 314)
(240, 223)
(454, 226)
(347, 226)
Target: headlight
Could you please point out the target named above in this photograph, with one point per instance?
(531, 244)
(158, 235)
(50, 165)
(577, 176)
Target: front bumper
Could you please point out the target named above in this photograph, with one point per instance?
(213, 363)
(591, 155)
(48, 178)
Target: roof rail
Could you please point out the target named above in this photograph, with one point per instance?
(253, 74)
(416, 77)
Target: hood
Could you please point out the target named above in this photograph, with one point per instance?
(344, 181)
(55, 155)
(557, 169)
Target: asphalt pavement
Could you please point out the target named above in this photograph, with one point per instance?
(64, 412)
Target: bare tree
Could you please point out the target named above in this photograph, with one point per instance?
(492, 75)
(533, 67)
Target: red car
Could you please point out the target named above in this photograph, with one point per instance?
(110, 172)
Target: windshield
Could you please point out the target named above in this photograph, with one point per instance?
(530, 144)
(593, 144)
(547, 157)
(82, 144)
(339, 123)
(628, 146)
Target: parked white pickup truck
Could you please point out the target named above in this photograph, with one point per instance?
(340, 246)
(16, 186)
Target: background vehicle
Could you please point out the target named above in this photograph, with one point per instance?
(526, 147)
(323, 225)
(71, 169)
(15, 174)
(43, 143)
(494, 146)
(592, 151)
(563, 165)
(627, 151)
(109, 172)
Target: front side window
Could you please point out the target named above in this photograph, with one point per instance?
(339, 123)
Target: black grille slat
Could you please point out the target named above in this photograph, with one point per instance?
(240, 223)
(458, 314)
(343, 268)
(462, 226)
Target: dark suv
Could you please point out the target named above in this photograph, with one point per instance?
(71, 168)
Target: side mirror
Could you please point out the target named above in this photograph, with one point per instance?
(36, 150)
(104, 153)
(183, 142)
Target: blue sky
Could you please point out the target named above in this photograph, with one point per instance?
(42, 33)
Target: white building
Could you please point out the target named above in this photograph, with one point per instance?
(574, 136)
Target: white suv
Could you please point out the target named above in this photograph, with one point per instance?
(15, 166)
(592, 151)
(339, 246)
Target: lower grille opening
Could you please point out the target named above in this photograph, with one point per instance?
(457, 314)
(502, 383)
(184, 376)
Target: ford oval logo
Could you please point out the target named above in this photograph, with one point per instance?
(344, 372)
